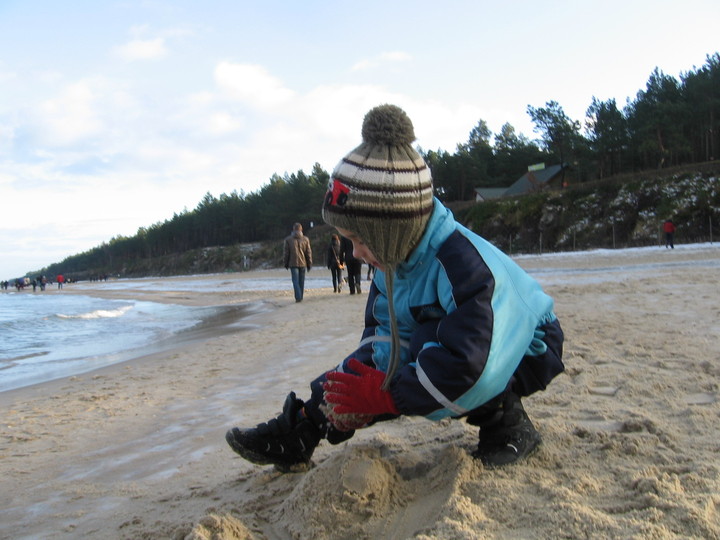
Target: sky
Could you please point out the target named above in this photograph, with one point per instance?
(115, 115)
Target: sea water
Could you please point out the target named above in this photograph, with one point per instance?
(48, 336)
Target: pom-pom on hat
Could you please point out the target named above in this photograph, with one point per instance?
(382, 190)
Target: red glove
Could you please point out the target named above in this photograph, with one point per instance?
(358, 394)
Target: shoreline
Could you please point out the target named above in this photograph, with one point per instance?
(137, 449)
(218, 313)
(232, 306)
(222, 320)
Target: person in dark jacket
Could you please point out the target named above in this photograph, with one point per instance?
(335, 262)
(297, 257)
(354, 266)
(453, 327)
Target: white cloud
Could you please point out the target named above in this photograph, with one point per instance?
(223, 123)
(205, 114)
(7, 135)
(6, 179)
(142, 49)
(395, 56)
(252, 84)
(381, 59)
(7, 76)
(363, 65)
(69, 117)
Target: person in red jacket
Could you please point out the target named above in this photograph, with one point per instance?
(60, 280)
(669, 230)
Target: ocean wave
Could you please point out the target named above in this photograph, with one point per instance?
(98, 314)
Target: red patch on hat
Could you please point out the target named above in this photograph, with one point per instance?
(337, 194)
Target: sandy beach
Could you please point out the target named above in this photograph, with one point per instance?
(631, 430)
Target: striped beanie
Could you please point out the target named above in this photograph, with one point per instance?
(382, 190)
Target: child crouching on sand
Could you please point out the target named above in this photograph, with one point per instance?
(453, 327)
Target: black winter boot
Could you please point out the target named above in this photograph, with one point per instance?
(287, 441)
(508, 437)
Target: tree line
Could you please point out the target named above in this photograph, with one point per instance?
(671, 122)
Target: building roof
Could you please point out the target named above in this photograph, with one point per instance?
(483, 194)
(527, 183)
(532, 181)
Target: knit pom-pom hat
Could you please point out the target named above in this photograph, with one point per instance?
(382, 191)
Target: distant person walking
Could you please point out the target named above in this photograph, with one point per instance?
(353, 265)
(60, 280)
(335, 262)
(297, 257)
(669, 230)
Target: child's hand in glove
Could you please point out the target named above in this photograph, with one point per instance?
(358, 394)
(346, 422)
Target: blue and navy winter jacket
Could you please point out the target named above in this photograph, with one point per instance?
(471, 322)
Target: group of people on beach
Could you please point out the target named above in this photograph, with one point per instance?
(297, 257)
(40, 282)
(340, 257)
